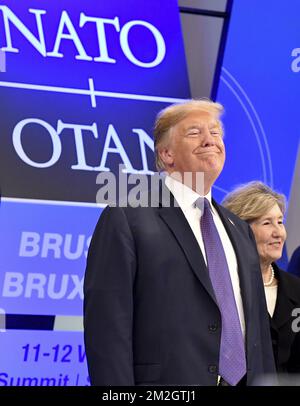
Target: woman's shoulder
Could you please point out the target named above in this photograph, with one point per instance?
(291, 283)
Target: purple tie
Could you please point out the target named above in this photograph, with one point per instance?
(232, 360)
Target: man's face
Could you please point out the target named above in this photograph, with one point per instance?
(196, 145)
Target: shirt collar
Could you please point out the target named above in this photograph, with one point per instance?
(184, 195)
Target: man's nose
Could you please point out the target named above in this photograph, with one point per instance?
(207, 137)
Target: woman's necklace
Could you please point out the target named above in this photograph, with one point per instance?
(269, 283)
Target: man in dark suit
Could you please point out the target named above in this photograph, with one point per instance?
(156, 309)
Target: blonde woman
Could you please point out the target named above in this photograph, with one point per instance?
(264, 210)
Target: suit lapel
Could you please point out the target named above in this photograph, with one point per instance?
(173, 216)
(176, 221)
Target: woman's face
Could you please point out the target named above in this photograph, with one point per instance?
(270, 235)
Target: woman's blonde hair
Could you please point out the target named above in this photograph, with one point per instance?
(172, 115)
(253, 200)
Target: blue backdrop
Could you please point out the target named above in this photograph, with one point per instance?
(259, 87)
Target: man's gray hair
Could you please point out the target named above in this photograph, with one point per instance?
(172, 115)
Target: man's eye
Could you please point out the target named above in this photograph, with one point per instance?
(215, 132)
(193, 133)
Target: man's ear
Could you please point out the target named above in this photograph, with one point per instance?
(166, 155)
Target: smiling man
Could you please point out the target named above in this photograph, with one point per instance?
(173, 292)
(189, 139)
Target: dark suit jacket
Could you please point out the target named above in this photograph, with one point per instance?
(286, 342)
(150, 315)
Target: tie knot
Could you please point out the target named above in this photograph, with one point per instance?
(202, 203)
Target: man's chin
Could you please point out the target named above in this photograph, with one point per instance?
(212, 165)
(212, 171)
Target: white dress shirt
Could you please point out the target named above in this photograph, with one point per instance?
(186, 199)
(271, 298)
